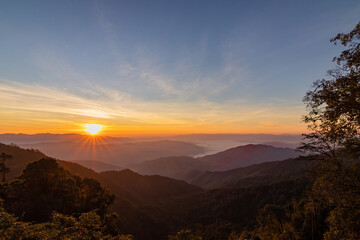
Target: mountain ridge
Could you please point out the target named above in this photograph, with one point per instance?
(241, 156)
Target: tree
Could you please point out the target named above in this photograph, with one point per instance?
(334, 104)
(45, 187)
(86, 226)
(334, 141)
(3, 169)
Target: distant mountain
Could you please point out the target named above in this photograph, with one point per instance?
(133, 187)
(174, 167)
(125, 184)
(214, 143)
(145, 188)
(255, 138)
(181, 167)
(152, 207)
(139, 200)
(254, 175)
(20, 158)
(97, 166)
(118, 154)
(247, 155)
(282, 144)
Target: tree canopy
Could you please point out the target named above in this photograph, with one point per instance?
(334, 104)
(45, 187)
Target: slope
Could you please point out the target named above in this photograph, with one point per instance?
(247, 155)
(174, 167)
(183, 167)
(124, 184)
(254, 175)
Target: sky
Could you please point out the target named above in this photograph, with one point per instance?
(164, 67)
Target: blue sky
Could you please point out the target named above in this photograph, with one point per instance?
(225, 66)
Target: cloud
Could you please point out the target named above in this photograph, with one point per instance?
(18, 96)
(110, 104)
(183, 78)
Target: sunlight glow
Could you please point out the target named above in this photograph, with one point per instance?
(93, 128)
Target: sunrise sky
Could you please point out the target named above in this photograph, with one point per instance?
(164, 67)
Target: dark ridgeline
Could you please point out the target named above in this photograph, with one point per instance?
(242, 156)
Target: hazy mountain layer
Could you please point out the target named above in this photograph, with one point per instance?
(118, 154)
(181, 167)
(174, 167)
(254, 175)
(247, 155)
(151, 207)
(124, 184)
(97, 166)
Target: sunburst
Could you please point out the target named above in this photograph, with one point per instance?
(93, 129)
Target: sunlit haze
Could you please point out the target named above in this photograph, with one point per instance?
(164, 67)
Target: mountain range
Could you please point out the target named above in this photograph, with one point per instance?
(183, 167)
(149, 207)
(118, 154)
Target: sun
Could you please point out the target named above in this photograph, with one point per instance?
(93, 128)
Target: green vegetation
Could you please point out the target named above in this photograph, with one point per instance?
(45, 187)
(86, 226)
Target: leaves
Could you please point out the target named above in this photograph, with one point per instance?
(45, 187)
(87, 227)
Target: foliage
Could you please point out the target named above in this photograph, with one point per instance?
(45, 187)
(88, 226)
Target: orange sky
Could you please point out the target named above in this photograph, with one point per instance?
(35, 109)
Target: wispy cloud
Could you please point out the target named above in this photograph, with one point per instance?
(182, 79)
(113, 106)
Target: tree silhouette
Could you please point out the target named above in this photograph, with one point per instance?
(3, 169)
(334, 121)
(45, 187)
(334, 104)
